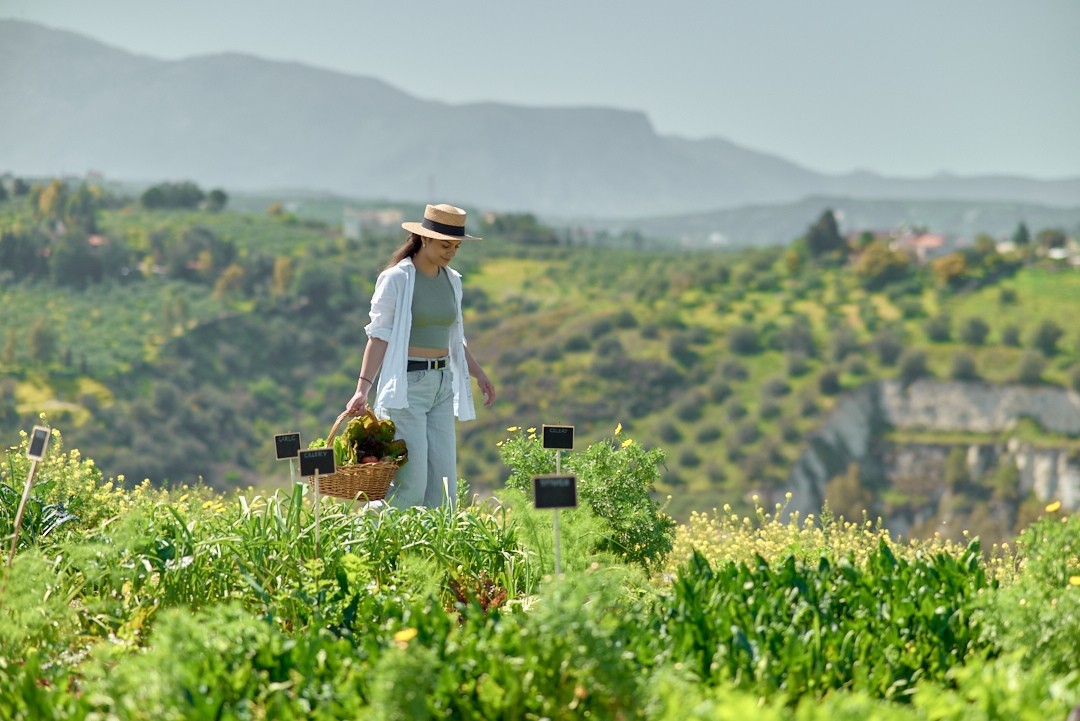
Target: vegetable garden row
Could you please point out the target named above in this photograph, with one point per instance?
(140, 603)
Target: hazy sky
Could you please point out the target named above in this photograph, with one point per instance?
(906, 88)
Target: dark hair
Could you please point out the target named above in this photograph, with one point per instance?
(408, 249)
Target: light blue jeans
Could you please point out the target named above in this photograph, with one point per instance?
(427, 426)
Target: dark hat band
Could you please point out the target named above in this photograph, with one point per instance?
(443, 228)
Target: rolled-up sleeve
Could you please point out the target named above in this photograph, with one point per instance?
(383, 305)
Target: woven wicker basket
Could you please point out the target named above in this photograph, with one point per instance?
(356, 481)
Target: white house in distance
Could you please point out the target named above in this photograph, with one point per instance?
(923, 246)
(354, 223)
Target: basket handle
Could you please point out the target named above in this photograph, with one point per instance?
(343, 416)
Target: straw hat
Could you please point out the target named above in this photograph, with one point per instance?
(444, 222)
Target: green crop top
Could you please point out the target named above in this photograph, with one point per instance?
(433, 311)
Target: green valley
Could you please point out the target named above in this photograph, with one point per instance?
(173, 343)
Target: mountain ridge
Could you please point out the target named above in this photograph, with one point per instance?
(244, 122)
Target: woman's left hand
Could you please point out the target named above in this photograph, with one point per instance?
(487, 388)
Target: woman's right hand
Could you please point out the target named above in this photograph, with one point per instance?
(357, 404)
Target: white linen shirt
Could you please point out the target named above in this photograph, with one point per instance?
(391, 321)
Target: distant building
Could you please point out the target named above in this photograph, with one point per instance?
(355, 223)
(924, 247)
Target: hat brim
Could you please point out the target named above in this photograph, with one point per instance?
(427, 233)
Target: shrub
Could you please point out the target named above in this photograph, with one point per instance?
(768, 409)
(775, 387)
(911, 308)
(888, 344)
(616, 478)
(829, 382)
(680, 348)
(973, 331)
(912, 366)
(868, 314)
(669, 432)
(1041, 609)
(689, 458)
(939, 328)
(789, 431)
(709, 433)
(1010, 336)
(807, 403)
(856, 366)
(743, 340)
(550, 352)
(798, 337)
(796, 364)
(1045, 337)
(577, 343)
(843, 343)
(601, 327)
(625, 318)
(962, 367)
(747, 433)
(734, 410)
(733, 370)
(719, 390)
(609, 347)
(1030, 368)
(691, 407)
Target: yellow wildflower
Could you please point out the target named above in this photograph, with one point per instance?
(618, 429)
(530, 430)
(513, 429)
(402, 637)
(1053, 507)
(1074, 580)
(628, 442)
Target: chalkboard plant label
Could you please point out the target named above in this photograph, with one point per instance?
(39, 440)
(554, 490)
(287, 445)
(317, 461)
(558, 437)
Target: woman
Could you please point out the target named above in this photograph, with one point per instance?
(416, 345)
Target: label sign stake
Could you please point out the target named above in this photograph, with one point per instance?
(35, 451)
(287, 446)
(555, 491)
(316, 462)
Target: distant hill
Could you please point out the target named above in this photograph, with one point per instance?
(779, 224)
(72, 105)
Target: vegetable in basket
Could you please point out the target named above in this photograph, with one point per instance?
(367, 440)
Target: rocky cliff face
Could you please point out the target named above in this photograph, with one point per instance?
(853, 433)
(977, 407)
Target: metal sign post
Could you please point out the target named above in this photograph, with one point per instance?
(556, 491)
